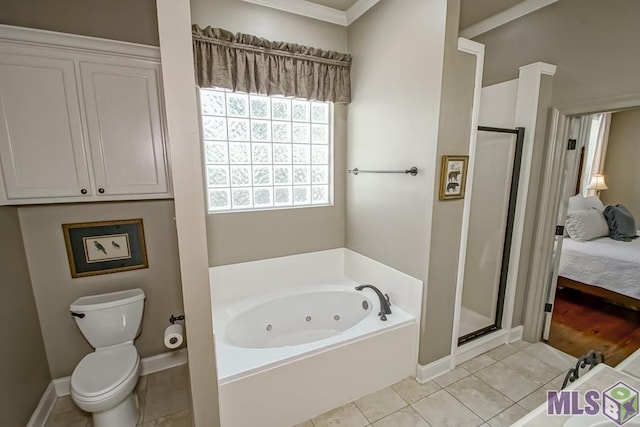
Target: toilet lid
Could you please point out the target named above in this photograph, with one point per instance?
(103, 370)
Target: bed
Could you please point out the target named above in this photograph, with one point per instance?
(603, 267)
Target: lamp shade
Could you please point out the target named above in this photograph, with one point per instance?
(597, 183)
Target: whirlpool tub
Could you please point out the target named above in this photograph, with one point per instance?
(292, 355)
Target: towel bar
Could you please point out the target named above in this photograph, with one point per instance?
(413, 171)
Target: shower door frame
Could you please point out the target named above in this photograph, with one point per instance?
(508, 239)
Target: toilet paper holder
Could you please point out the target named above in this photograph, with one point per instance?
(173, 318)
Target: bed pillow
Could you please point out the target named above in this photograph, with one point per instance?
(579, 203)
(576, 203)
(622, 225)
(587, 224)
(593, 202)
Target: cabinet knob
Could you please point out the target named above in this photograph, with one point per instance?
(83, 191)
(101, 190)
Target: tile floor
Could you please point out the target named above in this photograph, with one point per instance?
(164, 402)
(494, 389)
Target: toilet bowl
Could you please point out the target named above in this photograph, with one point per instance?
(104, 381)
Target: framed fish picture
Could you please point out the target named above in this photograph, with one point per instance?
(105, 247)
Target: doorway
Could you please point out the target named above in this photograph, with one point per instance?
(592, 302)
(544, 300)
(498, 157)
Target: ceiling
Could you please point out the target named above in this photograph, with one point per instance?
(474, 11)
(344, 12)
(342, 5)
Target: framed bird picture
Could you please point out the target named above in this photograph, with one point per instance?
(105, 247)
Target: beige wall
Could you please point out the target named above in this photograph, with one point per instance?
(55, 290)
(272, 24)
(453, 138)
(126, 20)
(397, 219)
(249, 236)
(24, 372)
(393, 125)
(474, 11)
(621, 164)
(593, 43)
(185, 150)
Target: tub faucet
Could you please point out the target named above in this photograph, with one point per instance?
(385, 303)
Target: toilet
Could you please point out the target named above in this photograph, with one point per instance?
(103, 382)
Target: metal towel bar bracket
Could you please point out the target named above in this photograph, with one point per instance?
(413, 171)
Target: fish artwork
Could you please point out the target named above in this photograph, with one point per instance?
(115, 245)
(99, 247)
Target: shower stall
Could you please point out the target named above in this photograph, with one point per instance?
(496, 171)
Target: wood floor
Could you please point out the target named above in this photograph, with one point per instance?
(582, 322)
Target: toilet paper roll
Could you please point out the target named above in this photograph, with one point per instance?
(173, 336)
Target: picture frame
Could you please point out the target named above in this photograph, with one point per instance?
(453, 177)
(105, 247)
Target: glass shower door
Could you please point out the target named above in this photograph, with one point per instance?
(493, 199)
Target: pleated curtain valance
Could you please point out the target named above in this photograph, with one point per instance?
(246, 63)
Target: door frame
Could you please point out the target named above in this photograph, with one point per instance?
(547, 213)
(526, 115)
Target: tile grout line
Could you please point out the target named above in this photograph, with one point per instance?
(143, 404)
(471, 374)
(489, 385)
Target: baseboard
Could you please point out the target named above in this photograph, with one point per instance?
(468, 351)
(434, 369)
(163, 361)
(516, 334)
(481, 345)
(148, 365)
(41, 414)
(62, 386)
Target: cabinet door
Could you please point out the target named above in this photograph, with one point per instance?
(41, 140)
(125, 128)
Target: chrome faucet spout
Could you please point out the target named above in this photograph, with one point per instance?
(385, 303)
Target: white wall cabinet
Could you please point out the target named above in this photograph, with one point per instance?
(79, 124)
(41, 142)
(125, 130)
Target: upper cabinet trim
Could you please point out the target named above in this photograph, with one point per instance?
(319, 12)
(54, 39)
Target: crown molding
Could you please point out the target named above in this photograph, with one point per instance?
(317, 11)
(511, 14)
(305, 8)
(358, 9)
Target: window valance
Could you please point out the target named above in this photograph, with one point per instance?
(252, 64)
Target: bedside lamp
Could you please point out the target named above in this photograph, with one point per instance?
(597, 183)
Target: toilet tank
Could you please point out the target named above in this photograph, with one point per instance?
(109, 319)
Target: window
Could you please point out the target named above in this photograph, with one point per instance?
(265, 152)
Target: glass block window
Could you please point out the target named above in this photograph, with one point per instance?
(265, 152)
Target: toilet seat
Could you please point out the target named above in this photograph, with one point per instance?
(101, 374)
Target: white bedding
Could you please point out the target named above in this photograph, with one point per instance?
(603, 262)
